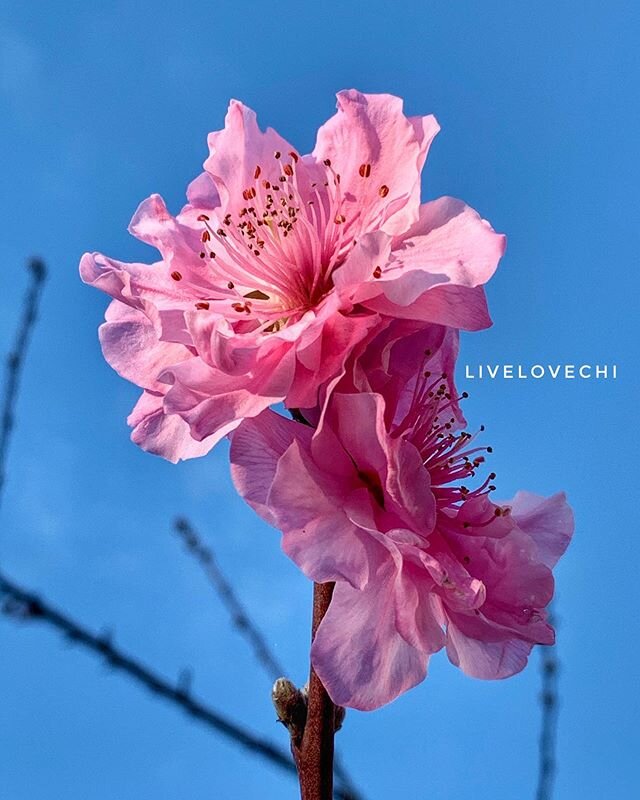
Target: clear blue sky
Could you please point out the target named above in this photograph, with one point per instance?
(102, 104)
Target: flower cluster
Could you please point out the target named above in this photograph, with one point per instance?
(321, 282)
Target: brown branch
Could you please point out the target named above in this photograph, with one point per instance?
(314, 756)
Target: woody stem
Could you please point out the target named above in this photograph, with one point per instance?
(314, 756)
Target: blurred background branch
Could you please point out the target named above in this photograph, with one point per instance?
(16, 358)
(243, 622)
(240, 618)
(24, 605)
(549, 667)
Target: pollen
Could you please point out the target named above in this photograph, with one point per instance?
(449, 456)
(281, 238)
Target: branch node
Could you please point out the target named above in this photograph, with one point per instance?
(290, 704)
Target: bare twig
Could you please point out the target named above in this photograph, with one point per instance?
(549, 701)
(242, 621)
(15, 359)
(25, 605)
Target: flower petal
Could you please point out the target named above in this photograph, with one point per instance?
(301, 492)
(142, 286)
(379, 154)
(330, 548)
(490, 660)
(416, 619)
(451, 252)
(453, 306)
(163, 434)
(214, 403)
(547, 520)
(130, 344)
(238, 150)
(256, 447)
(358, 653)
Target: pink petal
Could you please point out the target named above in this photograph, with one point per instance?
(274, 473)
(450, 243)
(141, 286)
(518, 579)
(330, 548)
(202, 192)
(454, 306)
(358, 653)
(372, 130)
(489, 660)
(236, 151)
(256, 447)
(214, 403)
(323, 358)
(131, 346)
(450, 246)
(409, 488)
(301, 492)
(162, 434)
(358, 423)
(416, 618)
(355, 278)
(547, 520)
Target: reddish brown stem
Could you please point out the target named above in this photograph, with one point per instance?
(314, 756)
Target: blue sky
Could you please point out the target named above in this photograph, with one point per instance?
(102, 104)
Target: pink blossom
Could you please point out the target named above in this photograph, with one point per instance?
(280, 265)
(376, 500)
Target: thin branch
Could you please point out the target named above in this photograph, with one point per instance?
(549, 667)
(25, 605)
(22, 604)
(239, 616)
(16, 358)
(241, 619)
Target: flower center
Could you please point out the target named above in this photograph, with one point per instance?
(449, 455)
(278, 245)
(276, 248)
